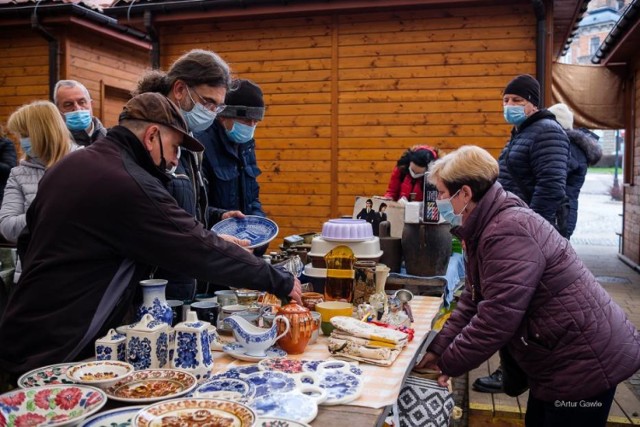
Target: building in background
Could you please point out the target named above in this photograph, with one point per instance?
(597, 23)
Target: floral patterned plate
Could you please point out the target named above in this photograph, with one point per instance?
(235, 389)
(151, 385)
(119, 417)
(50, 405)
(99, 373)
(294, 406)
(196, 412)
(282, 364)
(47, 375)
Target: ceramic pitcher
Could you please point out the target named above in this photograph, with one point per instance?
(192, 351)
(301, 323)
(256, 341)
(148, 344)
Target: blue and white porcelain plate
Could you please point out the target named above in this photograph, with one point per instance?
(258, 230)
(312, 366)
(269, 382)
(119, 417)
(293, 406)
(341, 387)
(226, 388)
(238, 351)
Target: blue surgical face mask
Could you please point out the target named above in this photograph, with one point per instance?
(78, 120)
(25, 143)
(199, 118)
(448, 214)
(514, 114)
(240, 133)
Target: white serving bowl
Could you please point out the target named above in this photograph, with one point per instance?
(99, 373)
(366, 250)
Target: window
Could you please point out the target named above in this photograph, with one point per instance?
(594, 43)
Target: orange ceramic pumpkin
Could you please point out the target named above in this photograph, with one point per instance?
(301, 327)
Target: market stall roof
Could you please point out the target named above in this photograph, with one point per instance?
(566, 13)
(622, 43)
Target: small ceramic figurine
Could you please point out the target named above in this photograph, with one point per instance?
(396, 316)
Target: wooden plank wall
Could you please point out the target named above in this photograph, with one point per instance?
(24, 69)
(631, 226)
(348, 92)
(97, 62)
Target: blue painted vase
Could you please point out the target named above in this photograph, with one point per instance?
(154, 301)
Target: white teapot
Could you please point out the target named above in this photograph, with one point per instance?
(148, 344)
(192, 351)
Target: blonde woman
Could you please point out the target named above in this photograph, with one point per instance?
(45, 140)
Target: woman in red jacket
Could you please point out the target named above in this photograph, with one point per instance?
(529, 295)
(408, 174)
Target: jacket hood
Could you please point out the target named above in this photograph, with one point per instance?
(495, 200)
(587, 144)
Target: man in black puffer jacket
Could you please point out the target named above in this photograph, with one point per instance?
(533, 165)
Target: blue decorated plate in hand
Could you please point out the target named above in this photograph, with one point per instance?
(256, 229)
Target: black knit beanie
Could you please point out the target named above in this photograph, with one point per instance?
(245, 101)
(525, 86)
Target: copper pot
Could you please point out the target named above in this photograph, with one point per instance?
(301, 327)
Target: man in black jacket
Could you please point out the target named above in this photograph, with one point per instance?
(533, 165)
(101, 222)
(74, 103)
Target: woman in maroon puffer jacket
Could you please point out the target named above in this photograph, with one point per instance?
(528, 291)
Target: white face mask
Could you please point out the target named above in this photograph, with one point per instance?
(172, 171)
(415, 175)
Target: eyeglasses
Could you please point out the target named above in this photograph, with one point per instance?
(210, 105)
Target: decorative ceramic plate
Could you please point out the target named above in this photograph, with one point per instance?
(341, 387)
(151, 385)
(258, 230)
(99, 372)
(119, 417)
(269, 382)
(50, 405)
(294, 406)
(196, 412)
(331, 365)
(237, 350)
(278, 422)
(235, 389)
(282, 364)
(47, 375)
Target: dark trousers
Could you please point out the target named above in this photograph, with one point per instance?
(592, 412)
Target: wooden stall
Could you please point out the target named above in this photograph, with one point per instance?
(348, 92)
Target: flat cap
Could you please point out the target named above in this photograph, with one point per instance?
(156, 108)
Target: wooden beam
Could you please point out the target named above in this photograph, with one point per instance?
(334, 115)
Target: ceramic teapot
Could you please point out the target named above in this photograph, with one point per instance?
(254, 339)
(300, 327)
(148, 343)
(192, 347)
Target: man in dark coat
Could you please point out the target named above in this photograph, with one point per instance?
(74, 102)
(533, 165)
(88, 248)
